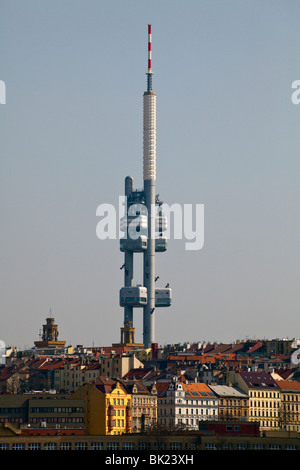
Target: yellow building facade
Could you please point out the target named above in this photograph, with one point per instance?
(290, 405)
(264, 397)
(107, 407)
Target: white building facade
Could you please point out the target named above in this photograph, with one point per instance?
(184, 405)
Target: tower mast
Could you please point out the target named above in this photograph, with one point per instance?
(142, 218)
(149, 176)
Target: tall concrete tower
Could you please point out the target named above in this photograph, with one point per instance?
(143, 226)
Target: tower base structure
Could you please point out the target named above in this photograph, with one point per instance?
(128, 337)
(50, 336)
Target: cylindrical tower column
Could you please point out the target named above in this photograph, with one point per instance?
(149, 173)
(128, 256)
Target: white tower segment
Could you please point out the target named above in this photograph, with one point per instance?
(149, 173)
(149, 144)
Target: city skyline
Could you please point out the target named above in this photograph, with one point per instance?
(227, 138)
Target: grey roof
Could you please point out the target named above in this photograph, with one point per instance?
(227, 391)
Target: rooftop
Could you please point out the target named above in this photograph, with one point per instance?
(227, 391)
(258, 380)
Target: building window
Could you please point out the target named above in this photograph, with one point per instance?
(128, 446)
(112, 446)
(175, 446)
(227, 446)
(18, 446)
(242, 446)
(210, 446)
(159, 446)
(97, 446)
(80, 445)
(144, 446)
(65, 446)
(34, 446)
(50, 446)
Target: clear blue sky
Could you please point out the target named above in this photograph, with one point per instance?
(227, 137)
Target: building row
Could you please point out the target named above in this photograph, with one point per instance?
(63, 373)
(50, 365)
(248, 396)
(105, 406)
(213, 436)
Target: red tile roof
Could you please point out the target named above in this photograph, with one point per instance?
(140, 373)
(255, 347)
(7, 372)
(162, 388)
(285, 373)
(104, 384)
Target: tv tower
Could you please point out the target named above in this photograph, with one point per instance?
(143, 226)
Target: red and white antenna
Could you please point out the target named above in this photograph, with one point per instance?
(149, 73)
(149, 47)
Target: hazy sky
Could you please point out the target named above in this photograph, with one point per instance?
(227, 137)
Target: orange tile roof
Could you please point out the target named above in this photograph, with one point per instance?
(202, 359)
(192, 389)
(291, 385)
(197, 388)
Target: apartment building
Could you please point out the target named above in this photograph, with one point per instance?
(233, 403)
(275, 347)
(116, 366)
(290, 405)
(184, 404)
(107, 407)
(72, 374)
(144, 404)
(264, 397)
